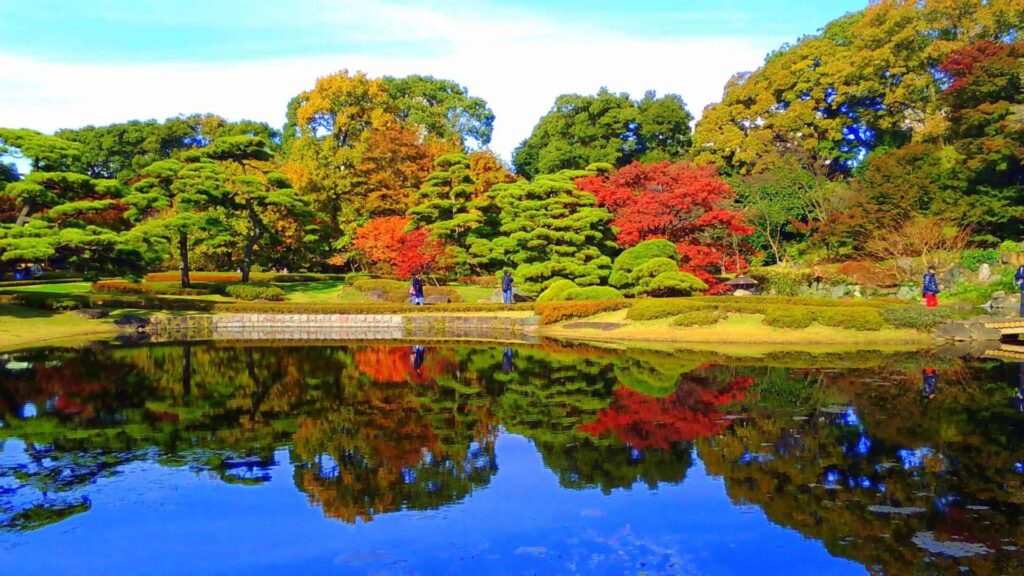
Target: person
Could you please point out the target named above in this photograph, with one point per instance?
(930, 378)
(507, 364)
(1018, 278)
(506, 287)
(930, 288)
(418, 353)
(416, 289)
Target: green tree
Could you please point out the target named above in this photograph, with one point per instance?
(551, 230)
(443, 108)
(604, 128)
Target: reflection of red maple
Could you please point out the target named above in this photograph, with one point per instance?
(692, 411)
(396, 364)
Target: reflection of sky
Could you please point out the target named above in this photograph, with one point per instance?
(913, 458)
(522, 522)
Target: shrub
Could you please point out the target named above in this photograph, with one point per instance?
(782, 312)
(307, 277)
(781, 281)
(198, 276)
(592, 293)
(557, 290)
(554, 312)
(705, 317)
(673, 283)
(1010, 247)
(803, 316)
(482, 281)
(632, 258)
(156, 288)
(353, 277)
(398, 291)
(870, 273)
(917, 317)
(118, 286)
(973, 259)
(255, 292)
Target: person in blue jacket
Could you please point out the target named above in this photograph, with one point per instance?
(930, 288)
(506, 287)
(1018, 278)
(416, 289)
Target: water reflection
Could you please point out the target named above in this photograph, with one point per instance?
(867, 456)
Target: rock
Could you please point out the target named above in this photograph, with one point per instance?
(954, 331)
(980, 332)
(436, 299)
(906, 293)
(837, 292)
(93, 313)
(855, 291)
(1000, 301)
(377, 296)
(952, 277)
(132, 321)
(742, 292)
(984, 273)
(517, 296)
(906, 264)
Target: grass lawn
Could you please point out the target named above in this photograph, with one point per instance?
(63, 288)
(739, 330)
(20, 326)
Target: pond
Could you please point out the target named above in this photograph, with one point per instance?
(542, 459)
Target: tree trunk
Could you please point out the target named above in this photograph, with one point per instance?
(186, 282)
(250, 244)
(186, 372)
(23, 215)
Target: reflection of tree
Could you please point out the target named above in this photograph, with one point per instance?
(867, 476)
(693, 411)
(384, 446)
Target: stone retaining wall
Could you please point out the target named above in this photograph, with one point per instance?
(335, 327)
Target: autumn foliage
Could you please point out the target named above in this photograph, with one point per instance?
(683, 203)
(391, 248)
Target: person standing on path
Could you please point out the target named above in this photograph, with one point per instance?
(506, 287)
(1018, 278)
(930, 288)
(416, 289)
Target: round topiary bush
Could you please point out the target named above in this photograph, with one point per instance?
(671, 283)
(632, 258)
(593, 293)
(557, 290)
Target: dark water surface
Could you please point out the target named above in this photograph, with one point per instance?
(375, 459)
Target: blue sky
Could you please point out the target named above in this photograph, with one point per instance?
(77, 62)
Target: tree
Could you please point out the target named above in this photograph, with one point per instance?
(177, 201)
(604, 128)
(685, 204)
(63, 217)
(550, 230)
(250, 187)
(446, 206)
(394, 246)
(443, 108)
(867, 80)
(632, 258)
(774, 203)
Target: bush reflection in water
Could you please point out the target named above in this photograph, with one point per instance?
(875, 456)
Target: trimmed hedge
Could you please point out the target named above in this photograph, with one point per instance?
(778, 312)
(705, 317)
(917, 317)
(555, 312)
(632, 258)
(592, 293)
(307, 277)
(255, 292)
(156, 288)
(557, 290)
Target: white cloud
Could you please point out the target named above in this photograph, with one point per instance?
(516, 62)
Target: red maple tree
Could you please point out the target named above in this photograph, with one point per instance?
(678, 201)
(393, 248)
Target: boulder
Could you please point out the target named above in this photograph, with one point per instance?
(959, 331)
(906, 293)
(376, 296)
(856, 292)
(92, 313)
(1004, 302)
(984, 273)
(952, 277)
(837, 292)
(132, 321)
(436, 299)
(905, 264)
(742, 292)
(980, 332)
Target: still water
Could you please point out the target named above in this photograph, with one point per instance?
(374, 459)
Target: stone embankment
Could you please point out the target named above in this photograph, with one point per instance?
(336, 327)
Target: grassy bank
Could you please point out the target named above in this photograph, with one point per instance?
(21, 327)
(738, 331)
